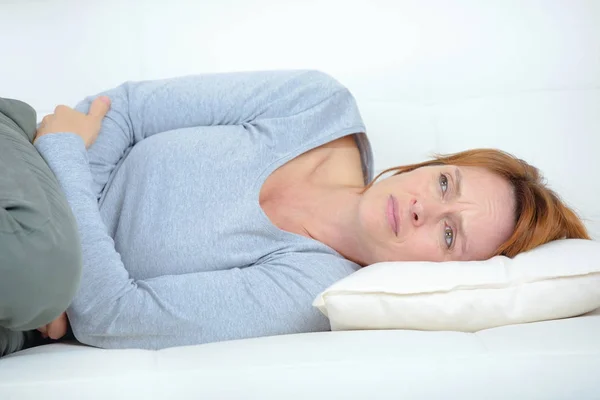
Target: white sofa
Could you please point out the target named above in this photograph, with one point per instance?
(545, 360)
(429, 76)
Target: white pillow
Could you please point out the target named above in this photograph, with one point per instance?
(556, 280)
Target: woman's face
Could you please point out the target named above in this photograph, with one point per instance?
(437, 213)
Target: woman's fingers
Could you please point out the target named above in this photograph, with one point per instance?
(60, 109)
(55, 329)
(44, 331)
(66, 119)
(58, 327)
(99, 107)
(46, 119)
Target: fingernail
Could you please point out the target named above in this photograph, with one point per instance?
(105, 99)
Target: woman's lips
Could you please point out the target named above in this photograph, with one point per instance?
(392, 214)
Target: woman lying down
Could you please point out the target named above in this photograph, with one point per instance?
(217, 207)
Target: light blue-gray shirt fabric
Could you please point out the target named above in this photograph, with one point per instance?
(176, 248)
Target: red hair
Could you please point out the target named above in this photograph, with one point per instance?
(540, 215)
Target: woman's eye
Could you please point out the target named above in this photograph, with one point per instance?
(448, 236)
(444, 183)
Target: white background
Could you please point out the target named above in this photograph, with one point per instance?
(429, 76)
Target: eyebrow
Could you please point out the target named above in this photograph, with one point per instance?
(458, 181)
(458, 186)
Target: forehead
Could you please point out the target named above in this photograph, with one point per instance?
(487, 207)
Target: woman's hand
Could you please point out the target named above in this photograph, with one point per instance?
(55, 329)
(66, 119)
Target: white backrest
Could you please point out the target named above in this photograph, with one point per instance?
(429, 76)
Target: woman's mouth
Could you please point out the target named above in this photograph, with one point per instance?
(392, 214)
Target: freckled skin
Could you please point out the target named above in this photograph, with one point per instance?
(429, 216)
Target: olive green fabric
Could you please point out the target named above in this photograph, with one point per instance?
(40, 252)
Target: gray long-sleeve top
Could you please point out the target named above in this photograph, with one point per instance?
(176, 248)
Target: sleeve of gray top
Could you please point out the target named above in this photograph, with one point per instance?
(263, 101)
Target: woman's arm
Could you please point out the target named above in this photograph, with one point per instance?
(262, 102)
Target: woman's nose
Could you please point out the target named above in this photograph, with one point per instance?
(417, 213)
(422, 211)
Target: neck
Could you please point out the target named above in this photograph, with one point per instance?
(332, 218)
